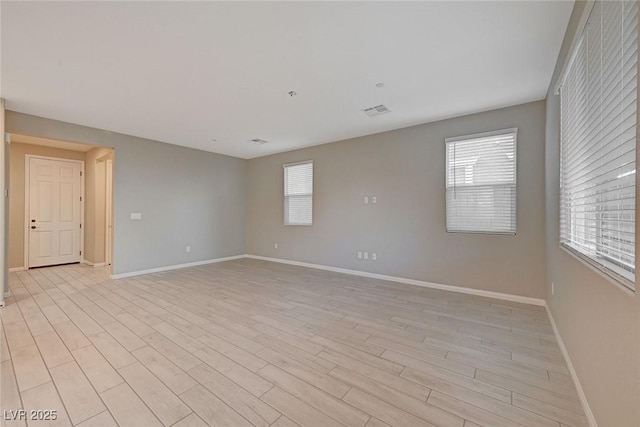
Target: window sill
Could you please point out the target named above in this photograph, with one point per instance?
(491, 233)
(625, 285)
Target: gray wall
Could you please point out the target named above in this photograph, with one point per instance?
(186, 196)
(405, 170)
(598, 321)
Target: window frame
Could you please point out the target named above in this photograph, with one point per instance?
(286, 197)
(454, 139)
(606, 266)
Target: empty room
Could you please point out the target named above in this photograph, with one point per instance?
(319, 213)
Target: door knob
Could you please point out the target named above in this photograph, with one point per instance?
(33, 220)
(33, 227)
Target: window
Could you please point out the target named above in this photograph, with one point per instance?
(298, 193)
(598, 97)
(481, 183)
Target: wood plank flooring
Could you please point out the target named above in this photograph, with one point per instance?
(248, 342)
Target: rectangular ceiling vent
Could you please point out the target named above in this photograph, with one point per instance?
(376, 110)
(258, 141)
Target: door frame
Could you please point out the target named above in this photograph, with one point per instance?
(27, 193)
(108, 239)
(4, 212)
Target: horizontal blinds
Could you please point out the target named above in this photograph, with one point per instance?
(298, 194)
(481, 183)
(598, 141)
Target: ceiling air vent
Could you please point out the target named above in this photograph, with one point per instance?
(258, 141)
(376, 110)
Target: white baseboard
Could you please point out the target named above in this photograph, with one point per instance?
(94, 264)
(459, 289)
(591, 419)
(479, 292)
(175, 267)
(14, 269)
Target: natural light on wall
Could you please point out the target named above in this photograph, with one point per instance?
(298, 193)
(598, 142)
(481, 182)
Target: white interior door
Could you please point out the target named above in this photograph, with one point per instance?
(54, 212)
(109, 212)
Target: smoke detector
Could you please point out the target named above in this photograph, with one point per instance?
(376, 110)
(258, 141)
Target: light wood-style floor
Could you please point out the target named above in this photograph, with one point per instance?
(248, 342)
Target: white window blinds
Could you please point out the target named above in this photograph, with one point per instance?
(298, 194)
(598, 141)
(481, 182)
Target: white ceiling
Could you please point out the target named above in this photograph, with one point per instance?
(187, 73)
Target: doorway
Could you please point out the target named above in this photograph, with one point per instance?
(66, 237)
(108, 250)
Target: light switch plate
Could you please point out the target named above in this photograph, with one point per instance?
(136, 215)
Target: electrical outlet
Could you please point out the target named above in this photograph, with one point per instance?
(187, 249)
(366, 200)
(359, 255)
(275, 246)
(374, 200)
(366, 255)
(374, 256)
(553, 288)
